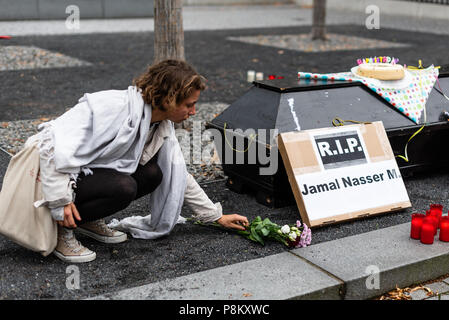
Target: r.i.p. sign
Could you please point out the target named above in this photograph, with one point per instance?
(342, 173)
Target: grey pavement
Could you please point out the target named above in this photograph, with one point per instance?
(353, 260)
(194, 18)
(226, 18)
(358, 267)
(276, 277)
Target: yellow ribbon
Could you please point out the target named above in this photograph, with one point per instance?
(416, 68)
(251, 136)
(337, 122)
(419, 68)
(406, 145)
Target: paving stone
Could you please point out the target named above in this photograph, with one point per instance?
(420, 294)
(441, 297)
(437, 288)
(280, 276)
(387, 256)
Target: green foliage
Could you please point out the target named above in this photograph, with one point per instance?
(260, 229)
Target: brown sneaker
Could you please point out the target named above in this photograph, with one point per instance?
(71, 250)
(100, 231)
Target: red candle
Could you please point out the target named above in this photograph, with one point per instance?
(432, 220)
(444, 229)
(436, 207)
(437, 211)
(427, 231)
(417, 220)
(437, 218)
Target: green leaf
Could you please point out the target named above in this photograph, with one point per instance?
(257, 220)
(257, 237)
(265, 231)
(244, 232)
(267, 221)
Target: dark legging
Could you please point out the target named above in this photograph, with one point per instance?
(108, 191)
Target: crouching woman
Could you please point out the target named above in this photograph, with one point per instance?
(116, 146)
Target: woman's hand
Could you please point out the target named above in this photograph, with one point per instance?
(233, 221)
(70, 214)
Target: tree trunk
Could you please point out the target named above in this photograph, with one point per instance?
(168, 33)
(168, 30)
(319, 20)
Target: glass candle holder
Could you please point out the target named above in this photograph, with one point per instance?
(444, 229)
(434, 220)
(417, 220)
(437, 217)
(436, 207)
(427, 232)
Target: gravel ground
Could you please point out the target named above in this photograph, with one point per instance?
(13, 134)
(304, 42)
(30, 57)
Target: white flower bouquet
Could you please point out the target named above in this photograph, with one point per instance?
(293, 236)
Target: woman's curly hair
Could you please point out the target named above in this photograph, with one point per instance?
(170, 81)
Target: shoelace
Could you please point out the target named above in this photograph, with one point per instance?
(73, 244)
(103, 226)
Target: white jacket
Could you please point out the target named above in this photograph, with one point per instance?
(57, 187)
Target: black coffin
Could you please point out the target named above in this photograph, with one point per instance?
(317, 103)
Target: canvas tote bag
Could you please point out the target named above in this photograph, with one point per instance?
(20, 221)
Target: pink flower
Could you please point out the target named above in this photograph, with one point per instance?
(305, 238)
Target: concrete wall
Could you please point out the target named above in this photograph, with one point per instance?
(90, 9)
(56, 9)
(392, 7)
(233, 2)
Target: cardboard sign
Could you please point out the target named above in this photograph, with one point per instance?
(342, 173)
